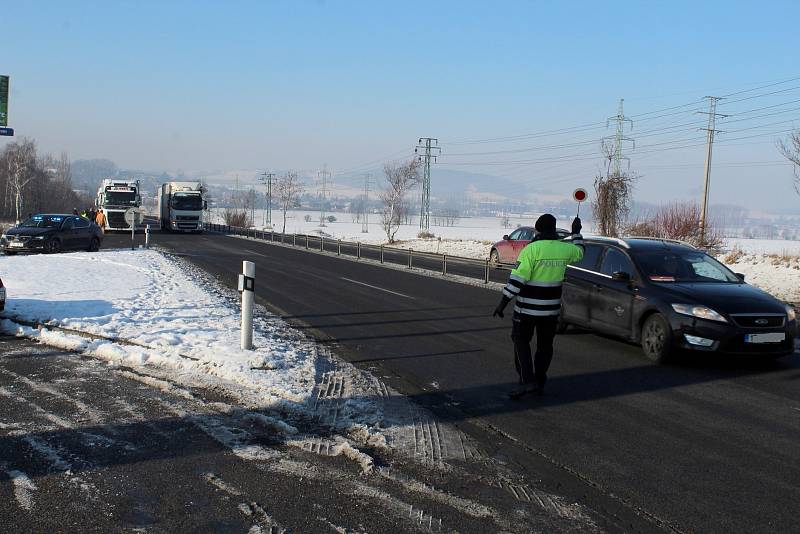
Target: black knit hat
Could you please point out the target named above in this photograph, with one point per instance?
(546, 224)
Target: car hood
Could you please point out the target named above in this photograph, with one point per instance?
(29, 231)
(724, 297)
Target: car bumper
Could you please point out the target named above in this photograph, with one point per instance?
(28, 246)
(712, 336)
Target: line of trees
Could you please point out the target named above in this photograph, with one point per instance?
(35, 183)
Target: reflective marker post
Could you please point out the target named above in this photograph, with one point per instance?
(147, 236)
(247, 286)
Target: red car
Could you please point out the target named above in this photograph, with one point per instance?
(507, 250)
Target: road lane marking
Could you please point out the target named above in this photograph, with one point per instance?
(255, 253)
(378, 288)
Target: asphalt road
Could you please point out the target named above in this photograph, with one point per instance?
(703, 445)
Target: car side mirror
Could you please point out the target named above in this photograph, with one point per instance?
(505, 237)
(621, 276)
(740, 276)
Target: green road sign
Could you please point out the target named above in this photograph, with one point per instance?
(3, 100)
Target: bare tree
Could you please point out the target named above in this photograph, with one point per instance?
(288, 190)
(791, 151)
(451, 216)
(678, 221)
(612, 202)
(612, 199)
(400, 179)
(22, 167)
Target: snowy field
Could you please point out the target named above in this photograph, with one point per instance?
(471, 236)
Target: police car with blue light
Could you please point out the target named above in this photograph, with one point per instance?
(52, 233)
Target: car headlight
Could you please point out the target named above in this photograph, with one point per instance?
(38, 237)
(791, 315)
(701, 312)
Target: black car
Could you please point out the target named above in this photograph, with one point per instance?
(669, 295)
(52, 233)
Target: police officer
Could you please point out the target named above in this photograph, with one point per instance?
(536, 285)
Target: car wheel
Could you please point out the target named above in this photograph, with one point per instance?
(94, 245)
(657, 338)
(494, 258)
(53, 246)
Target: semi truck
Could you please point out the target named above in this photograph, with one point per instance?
(180, 206)
(115, 197)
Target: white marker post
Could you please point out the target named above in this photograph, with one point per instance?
(147, 236)
(247, 286)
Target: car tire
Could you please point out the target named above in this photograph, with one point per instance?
(494, 258)
(53, 246)
(94, 245)
(657, 338)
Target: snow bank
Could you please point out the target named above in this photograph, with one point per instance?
(173, 321)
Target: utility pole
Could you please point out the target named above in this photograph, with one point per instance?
(710, 131)
(266, 179)
(431, 151)
(324, 175)
(365, 220)
(616, 156)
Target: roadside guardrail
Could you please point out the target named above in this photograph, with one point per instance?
(447, 265)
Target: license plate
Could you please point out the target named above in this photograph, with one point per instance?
(16, 244)
(773, 337)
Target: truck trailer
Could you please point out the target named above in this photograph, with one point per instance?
(180, 206)
(115, 197)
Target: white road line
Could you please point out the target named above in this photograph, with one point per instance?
(255, 253)
(378, 288)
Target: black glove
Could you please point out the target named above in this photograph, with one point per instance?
(498, 312)
(576, 226)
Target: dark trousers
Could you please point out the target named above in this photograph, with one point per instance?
(522, 329)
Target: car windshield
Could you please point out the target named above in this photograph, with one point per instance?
(183, 201)
(43, 221)
(671, 266)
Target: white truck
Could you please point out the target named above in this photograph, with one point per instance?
(181, 205)
(115, 197)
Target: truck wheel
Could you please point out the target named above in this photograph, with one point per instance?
(94, 245)
(657, 338)
(53, 246)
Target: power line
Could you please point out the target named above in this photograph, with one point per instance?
(763, 95)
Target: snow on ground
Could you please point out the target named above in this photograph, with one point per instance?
(143, 297)
(776, 274)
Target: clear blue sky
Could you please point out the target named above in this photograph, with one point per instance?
(296, 84)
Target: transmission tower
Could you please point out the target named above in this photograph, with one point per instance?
(266, 179)
(616, 156)
(365, 220)
(324, 177)
(710, 131)
(431, 152)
